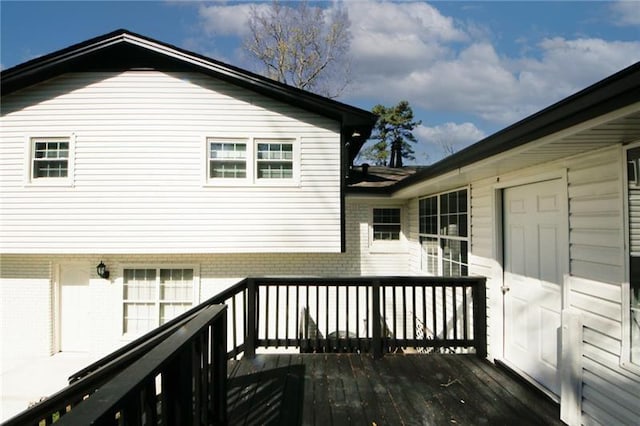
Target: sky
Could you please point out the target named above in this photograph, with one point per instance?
(467, 68)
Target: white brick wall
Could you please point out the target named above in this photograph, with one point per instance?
(28, 283)
(26, 319)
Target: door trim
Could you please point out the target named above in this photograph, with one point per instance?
(495, 293)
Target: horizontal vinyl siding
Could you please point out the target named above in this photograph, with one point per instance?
(611, 395)
(393, 258)
(140, 169)
(596, 217)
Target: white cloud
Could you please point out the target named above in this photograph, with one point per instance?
(444, 139)
(221, 19)
(410, 50)
(626, 13)
(460, 70)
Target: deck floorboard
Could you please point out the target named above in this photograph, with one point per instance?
(352, 389)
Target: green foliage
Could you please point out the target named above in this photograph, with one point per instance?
(393, 133)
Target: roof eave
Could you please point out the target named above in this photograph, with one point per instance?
(612, 93)
(353, 120)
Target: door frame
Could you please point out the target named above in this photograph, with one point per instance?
(496, 298)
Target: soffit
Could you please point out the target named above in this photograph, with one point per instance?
(620, 127)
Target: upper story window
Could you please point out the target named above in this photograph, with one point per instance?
(51, 160)
(153, 296)
(252, 161)
(227, 159)
(443, 228)
(386, 224)
(274, 160)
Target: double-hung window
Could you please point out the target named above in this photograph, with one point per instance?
(444, 234)
(274, 160)
(386, 224)
(246, 161)
(227, 159)
(153, 296)
(51, 160)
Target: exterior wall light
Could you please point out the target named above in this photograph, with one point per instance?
(101, 269)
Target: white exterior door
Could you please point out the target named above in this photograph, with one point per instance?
(535, 249)
(74, 308)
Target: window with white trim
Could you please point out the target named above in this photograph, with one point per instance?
(387, 224)
(50, 158)
(245, 161)
(443, 231)
(274, 159)
(633, 203)
(227, 159)
(153, 296)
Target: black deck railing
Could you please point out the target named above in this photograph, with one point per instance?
(176, 374)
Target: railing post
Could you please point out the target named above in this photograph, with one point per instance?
(480, 317)
(377, 322)
(219, 397)
(252, 319)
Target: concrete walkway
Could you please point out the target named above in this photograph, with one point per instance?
(24, 383)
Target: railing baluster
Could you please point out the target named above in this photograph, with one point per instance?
(404, 314)
(454, 308)
(424, 316)
(286, 322)
(415, 314)
(377, 323)
(326, 326)
(434, 314)
(338, 346)
(465, 323)
(234, 322)
(277, 311)
(317, 318)
(445, 335)
(252, 319)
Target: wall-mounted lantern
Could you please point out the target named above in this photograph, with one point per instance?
(101, 269)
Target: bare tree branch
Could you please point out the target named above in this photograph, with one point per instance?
(305, 46)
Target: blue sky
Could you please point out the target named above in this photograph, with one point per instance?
(467, 68)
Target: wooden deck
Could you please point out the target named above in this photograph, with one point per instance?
(351, 389)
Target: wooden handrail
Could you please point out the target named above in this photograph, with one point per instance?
(122, 396)
(387, 306)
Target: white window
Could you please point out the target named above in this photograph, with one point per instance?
(153, 296)
(246, 161)
(443, 230)
(227, 159)
(386, 224)
(274, 159)
(50, 160)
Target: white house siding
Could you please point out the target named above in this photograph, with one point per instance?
(28, 283)
(610, 393)
(381, 257)
(140, 169)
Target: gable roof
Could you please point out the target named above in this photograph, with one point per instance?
(606, 113)
(122, 49)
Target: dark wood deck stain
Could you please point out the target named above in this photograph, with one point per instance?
(351, 389)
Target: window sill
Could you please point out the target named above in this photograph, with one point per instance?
(388, 247)
(631, 367)
(43, 183)
(223, 183)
